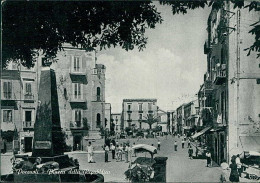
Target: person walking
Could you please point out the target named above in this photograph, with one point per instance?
(208, 156)
(197, 151)
(188, 143)
(182, 143)
(175, 145)
(190, 152)
(126, 153)
(117, 153)
(234, 176)
(130, 152)
(113, 150)
(106, 148)
(239, 165)
(134, 153)
(159, 145)
(121, 152)
(184, 137)
(90, 151)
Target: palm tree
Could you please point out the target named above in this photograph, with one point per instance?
(150, 120)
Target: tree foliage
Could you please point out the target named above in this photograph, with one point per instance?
(30, 26)
(150, 120)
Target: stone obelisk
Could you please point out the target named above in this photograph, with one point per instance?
(48, 139)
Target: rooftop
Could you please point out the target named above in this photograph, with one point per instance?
(140, 100)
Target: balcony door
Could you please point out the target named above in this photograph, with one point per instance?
(77, 91)
(98, 94)
(28, 118)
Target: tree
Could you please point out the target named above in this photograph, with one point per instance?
(32, 26)
(150, 120)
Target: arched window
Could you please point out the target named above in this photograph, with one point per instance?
(98, 94)
(98, 120)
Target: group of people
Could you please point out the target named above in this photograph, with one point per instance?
(117, 150)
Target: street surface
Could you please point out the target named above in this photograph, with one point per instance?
(179, 167)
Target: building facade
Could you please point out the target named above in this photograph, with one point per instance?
(135, 111)
(234, 76)
(180, 119)
(116, 120)
(81, 95)
(191, 117)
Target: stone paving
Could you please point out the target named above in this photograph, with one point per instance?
(179, 167)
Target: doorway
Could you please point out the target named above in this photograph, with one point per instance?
(28, 144)
(77, 142)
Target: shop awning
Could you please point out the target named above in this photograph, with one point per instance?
(201, 132)
(250, 143)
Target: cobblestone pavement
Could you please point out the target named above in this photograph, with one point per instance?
(179, 167)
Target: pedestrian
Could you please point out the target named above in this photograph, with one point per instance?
(113, 150)
(184, 137)
(208, 156)
(126, 153)
(190, 152)
(188, 143)
(134, 150)
(159, 145)
(234, 176)
(239, 165)
(130, 152)
(179, 135)
(175, 145)
(197, 151)
(106, 148)
(182, 143)
(117, 153)
(121, 152)
(90, 151)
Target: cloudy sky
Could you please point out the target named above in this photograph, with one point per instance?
(171, 68)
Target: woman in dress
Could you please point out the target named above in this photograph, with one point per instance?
(208, 155)
(234, 176)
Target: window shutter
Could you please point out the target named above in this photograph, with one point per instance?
(81, 90)
(33, 118)
(80, 63)
(5, 89)
(79, 115)
(4, 116)
(72, 63)
(24, 113)
(73, 116)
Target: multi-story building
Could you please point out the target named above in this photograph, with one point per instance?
(171, 121)
(191, 117)
(236, 84)
(135, 111)
(163, 120)
(180, 119)
(18, 103)
(81, 95)
(116, 120)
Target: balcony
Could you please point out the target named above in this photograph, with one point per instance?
(140, 111)
(77, 99)
(76, 125)
(77, 71)
(28, 125)
(129, 111)
(29, 97)
(150, 111)
(220, 75)
(7, 96)
(129, 120)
